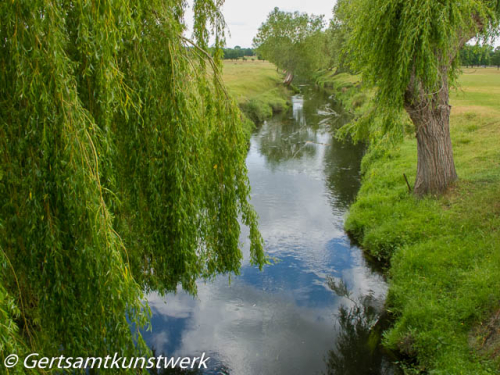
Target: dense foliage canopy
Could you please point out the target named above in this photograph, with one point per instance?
(122, 169)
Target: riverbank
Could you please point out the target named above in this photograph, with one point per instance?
(443, 254)
(346, 88)
(257, 87)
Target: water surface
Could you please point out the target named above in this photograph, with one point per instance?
(284, 320)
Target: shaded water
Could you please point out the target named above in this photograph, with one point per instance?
(285, 320)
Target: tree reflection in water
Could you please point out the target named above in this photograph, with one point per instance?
(219, 368)
(360, 324)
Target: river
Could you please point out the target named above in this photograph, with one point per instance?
(286, 319)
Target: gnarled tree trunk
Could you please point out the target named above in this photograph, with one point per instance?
(431, 117)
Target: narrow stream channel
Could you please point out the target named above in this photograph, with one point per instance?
(285, 320)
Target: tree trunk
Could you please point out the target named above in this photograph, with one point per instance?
(288, 79)
(431, 117)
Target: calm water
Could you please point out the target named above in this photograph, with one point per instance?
(285, 320)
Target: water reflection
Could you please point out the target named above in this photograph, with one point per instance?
(342, 162)
(357, 350)
(309, 132)
(281, 320)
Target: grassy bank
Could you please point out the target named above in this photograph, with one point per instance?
(347, 89)
(257, 87)
(443, 253)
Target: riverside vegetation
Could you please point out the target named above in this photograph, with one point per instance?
(442, 253)
(439, 237)
(256, 86)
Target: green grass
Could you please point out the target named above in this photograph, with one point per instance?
(347, 88)
(444, 252)
(257, 87)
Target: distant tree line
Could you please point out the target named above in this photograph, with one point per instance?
(480, 55)
(237, 53)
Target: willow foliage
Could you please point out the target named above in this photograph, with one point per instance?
(394, 41)
(122, 169)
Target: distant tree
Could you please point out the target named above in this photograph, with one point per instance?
(487, 51)
(335, 38)
(408, 50)
(495, 57)
(292, 41)
(476, 55)
(237, 52)
(467, 56)
(248, 52)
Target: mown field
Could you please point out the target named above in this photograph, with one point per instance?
(443, 253)
(256, 85)
(246, 79)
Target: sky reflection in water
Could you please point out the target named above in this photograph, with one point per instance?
(281, 320)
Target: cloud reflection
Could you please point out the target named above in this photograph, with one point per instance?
(281, 320)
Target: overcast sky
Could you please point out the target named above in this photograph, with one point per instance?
(244, 17)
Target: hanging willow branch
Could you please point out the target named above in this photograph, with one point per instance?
(215, 69)
(122, 169)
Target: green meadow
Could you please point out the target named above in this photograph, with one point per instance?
(257, 87)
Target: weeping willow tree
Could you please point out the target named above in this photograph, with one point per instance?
(408, 50)
(122, 169)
